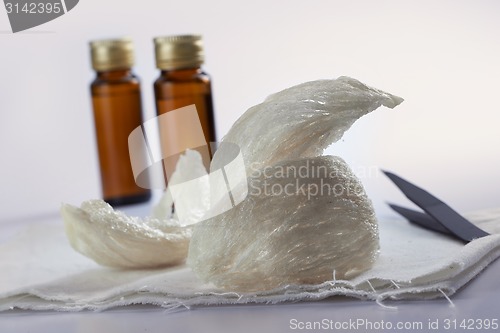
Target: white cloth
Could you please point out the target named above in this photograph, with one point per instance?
(40, 271)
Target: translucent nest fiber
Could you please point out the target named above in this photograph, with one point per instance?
(114, 239)
(293, 228)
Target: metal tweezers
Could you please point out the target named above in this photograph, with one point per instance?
(437, 215)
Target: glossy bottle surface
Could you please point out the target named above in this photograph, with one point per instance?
(116, 100)
(175, 89)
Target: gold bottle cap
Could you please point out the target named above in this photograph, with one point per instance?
(111, 54)
(178, 52)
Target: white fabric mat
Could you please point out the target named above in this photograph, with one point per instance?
(40, 271)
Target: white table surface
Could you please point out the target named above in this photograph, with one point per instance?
(480, 299)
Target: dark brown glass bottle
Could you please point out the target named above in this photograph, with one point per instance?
(182, 82)
(116, 100)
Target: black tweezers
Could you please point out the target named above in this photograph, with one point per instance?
(438, 216)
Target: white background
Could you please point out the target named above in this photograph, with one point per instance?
(441, 56)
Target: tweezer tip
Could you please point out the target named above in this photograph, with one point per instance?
(395, 207)
(387, 173)
(390, 204)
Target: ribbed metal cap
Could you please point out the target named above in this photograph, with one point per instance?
(110, 54)
(178, 52)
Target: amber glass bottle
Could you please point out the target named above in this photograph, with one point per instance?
(116, 100)
(182, 82)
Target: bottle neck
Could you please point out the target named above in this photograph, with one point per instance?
(181, 73)
(114, 74)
